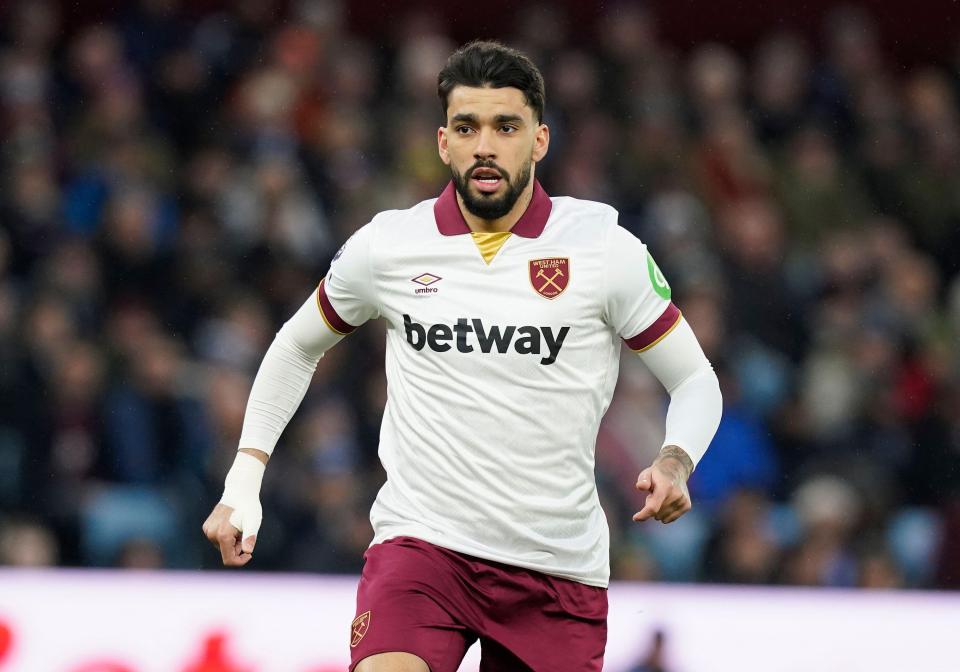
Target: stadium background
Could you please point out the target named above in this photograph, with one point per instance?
(176, 179)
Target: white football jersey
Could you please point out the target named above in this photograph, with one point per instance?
(500, 366)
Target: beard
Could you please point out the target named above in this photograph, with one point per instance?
(491, 206)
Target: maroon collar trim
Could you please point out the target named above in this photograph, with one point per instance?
(450, 221)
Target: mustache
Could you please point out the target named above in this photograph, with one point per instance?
(489, 164)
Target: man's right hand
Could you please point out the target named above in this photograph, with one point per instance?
(236, 552)
(233, 524)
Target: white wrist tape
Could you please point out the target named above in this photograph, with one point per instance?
(241, 492)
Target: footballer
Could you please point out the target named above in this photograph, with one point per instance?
(505, 311)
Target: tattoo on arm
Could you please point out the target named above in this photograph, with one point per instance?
(679, 455)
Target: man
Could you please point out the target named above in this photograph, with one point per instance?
(505, 310)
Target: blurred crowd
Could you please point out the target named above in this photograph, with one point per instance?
(175, 184)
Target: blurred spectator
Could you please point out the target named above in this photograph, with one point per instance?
(878, 570)
(653, 661)
(744, 547)
(762, 303)
(155, 430)
(780, 87)
(741, 456)
(819, 194)
(140, 554)
(24, 543)
(829, 510)
(948, 566)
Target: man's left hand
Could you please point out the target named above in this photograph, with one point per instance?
(666, 482)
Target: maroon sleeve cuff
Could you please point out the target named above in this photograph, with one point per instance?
(336, 323)
(656, 332)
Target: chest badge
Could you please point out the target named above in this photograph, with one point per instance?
(550, 277)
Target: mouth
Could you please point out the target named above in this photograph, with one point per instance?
(486, 180)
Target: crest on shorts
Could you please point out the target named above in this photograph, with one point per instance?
(550, 277)
(359, 628)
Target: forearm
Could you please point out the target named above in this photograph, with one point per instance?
(695, 400)
(283, 379)
(277, 391)
(280, 385)
(694, 414)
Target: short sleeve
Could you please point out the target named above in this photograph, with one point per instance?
(638, 305)
(346, 297)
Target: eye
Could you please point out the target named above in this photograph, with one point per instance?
(463, 130)
(506, 128)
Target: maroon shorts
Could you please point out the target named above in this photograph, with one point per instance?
(435, 603)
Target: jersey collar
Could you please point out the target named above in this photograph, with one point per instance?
(450, 221)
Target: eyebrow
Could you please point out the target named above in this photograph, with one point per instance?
(499, 119)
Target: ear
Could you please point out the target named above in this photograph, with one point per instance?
(442, 145)
(541, 142)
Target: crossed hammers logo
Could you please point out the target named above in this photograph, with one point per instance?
(551, 280)
(359, 628)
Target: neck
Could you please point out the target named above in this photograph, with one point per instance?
(504, 223)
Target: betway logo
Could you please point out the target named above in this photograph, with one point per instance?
(529, 340)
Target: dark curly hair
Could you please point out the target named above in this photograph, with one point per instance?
(485, 63)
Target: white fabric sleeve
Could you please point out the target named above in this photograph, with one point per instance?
(284, 376)
(696, 404)
(344, 299)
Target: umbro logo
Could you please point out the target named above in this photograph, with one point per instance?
(425, 280)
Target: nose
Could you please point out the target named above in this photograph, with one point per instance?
(484, 149)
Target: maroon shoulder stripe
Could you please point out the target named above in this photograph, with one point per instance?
(656, 331)
(329, 315)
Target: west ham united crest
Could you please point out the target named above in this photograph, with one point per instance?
(359, 628)
(550, 277)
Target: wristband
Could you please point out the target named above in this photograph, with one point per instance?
(241, 492)
(243, 480)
